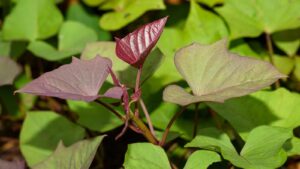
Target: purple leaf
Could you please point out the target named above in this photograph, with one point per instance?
(17, 164)
(8, 70)
(79, 80)
(135, 47)
(114, 92)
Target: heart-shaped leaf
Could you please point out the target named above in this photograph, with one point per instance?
(251, 18)
(79, 80)
(78, 156)
(215, 74)
(32, 20)
(9, 69)
(136, 46)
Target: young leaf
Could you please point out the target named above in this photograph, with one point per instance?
(42, 131)
(136, 46)
(78, 156)
(202, 159)
(215, 74)
(79, 80)
(9, 69)
(146, 156)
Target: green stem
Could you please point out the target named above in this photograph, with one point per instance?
(271, 53)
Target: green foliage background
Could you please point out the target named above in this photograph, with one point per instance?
(259, 131)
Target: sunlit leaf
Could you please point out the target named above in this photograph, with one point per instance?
(251, 18)
(202, 159)
(42, 131)
(94, 116)
(263, 148)
(79, 80)
(125, 72)
(214, 74)
(77, 156)
(145, 156)
(288, 40)
(72, 39)
(9, 69)
(126, 11)
(136, 46)
(297, 68)
(31, 20)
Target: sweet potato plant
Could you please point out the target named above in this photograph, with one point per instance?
(193, 96)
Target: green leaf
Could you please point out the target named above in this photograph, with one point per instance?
(284, 64)
(41, 132)
(288, 40)
(125, 72)
(9, 70)
(72, 39)
(31, 20)
(211, 3)
(93, 2)
(78, 156)
(297, 68)
(293, 146)
(263, 148)
(145, 156)
(76, 12)
(215, 74)
(202, 159)
(126, 11)
(9, 102)
(94, 116)
(276, 108)
(252, 18)
(201, 26)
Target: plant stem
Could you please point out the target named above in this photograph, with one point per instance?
(176, 115)
(145, 131)
(271, 52)
(147, 116)
(136, 89)
(196, 118)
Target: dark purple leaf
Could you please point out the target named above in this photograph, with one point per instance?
(18, 164)
(79, 80)
(135, 47)
(114, 92)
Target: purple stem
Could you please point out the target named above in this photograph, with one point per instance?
(147, 116)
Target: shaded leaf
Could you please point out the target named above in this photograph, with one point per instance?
(78, 156)
(126, 11)
(263, 148)
(211, 3)
(79, 80)
(136, 46)
(251, 18)
(93, 2)
(9, 69)
(293, 146)
(41, 133)
(125, 72)
(214, 74)
(288, 40)
(145, 156)
(297, 68)
(202, 159)
(72, 39)
(94, 116)
(12, 164)
(29, 20)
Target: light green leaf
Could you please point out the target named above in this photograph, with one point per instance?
(288, 40)
(263, 148)
(41, 132)
(125, 72)
(76, 12)
(202, 159)
(276, 108)
(145, 156)
(214, 74)
(252, 18)
(284, 64)
(211, 3)
(93, 2)
(9, 70)
(293, 146)
(297, 68)
(126, 11)
(78, 156)
(72, 39)
(31, 20)
(94, 116)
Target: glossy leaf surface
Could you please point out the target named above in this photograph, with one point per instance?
(9, 69)
(77, 156)
(41, 133)
(136, 46)
(79, 80)
(145, 156)
(215, 74)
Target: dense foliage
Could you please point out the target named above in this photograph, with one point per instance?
(184, 84)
